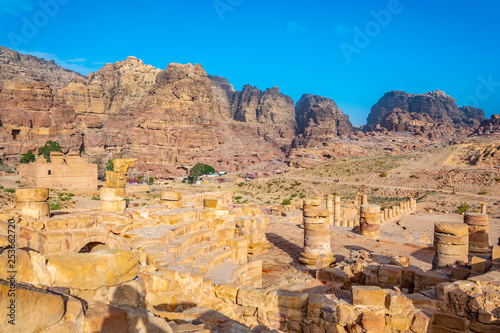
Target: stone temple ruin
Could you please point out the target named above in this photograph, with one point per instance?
(193, 263)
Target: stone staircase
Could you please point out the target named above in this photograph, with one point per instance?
(182, 242)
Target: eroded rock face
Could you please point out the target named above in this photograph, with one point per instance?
(269, 107)
(434, 114)
(319, 116)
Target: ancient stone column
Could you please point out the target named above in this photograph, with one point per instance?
(330, 207)
(390, 213)
(317, 252)
(173, 199)
(478, 232)
(451, 243)
(386, 214)
(402, 208)
(364, 199)
(336, 211)
(33, 202)
(483, 208)
(113, 196)
(370, 221)
(382, 217)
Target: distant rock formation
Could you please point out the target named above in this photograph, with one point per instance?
(489, 126)
(319, 116)
(18, 68)
(434, 114)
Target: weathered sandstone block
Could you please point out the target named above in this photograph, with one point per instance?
(93, 270)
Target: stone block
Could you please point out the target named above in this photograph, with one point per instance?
(391, 275)
(210, 203)
(170, 195)
(368, 295)
(451, 228)
(480, 265)
(101, 317)
(227, 292)
(116, 179)
(113, 206)
(171, 204)
(93, 270)
(450, 321)
(29, 206)
(112, 194)
(32, 194)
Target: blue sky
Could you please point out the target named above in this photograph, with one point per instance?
(350, 51)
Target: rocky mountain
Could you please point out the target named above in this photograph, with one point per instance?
(319, 116)
(489, 126)
(19, 68)
(170, 119)
(434, 114)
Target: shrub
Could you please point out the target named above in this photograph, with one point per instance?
(95, 197)
(294, 195)
(414, 177)
(151, 180)
(383, 175)
(237, 198)
(47, 148)
(27, 157)
(286, 202)
(483, 192)
(241, 184)
(10, 190)
(462, 209)
(55, 206)
(110, 166)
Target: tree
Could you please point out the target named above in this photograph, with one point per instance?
(198, 170)
(28, 157)
(49, 146)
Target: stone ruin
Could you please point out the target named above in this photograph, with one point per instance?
(64, 171)
(191, 264)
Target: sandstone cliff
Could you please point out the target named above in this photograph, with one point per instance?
(434, 114)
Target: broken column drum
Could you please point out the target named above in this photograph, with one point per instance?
(478, 232)
(317, 252)
(33, 201)
(370, 221)
(451, 243)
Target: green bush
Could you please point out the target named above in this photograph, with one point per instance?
(462, 209)
(383, 175)
(286, 202)
(55, 206)
(27, 157)
(198, 170)
(47, 148)
(10, 190)
(241, 184)
(483, 192)
(95, 197)
(237, 198)
(110, 166)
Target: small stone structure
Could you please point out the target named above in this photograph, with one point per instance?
(113, 196)
(317, 252)
(370, 221)
(451, 243)
(70, 171)
(478, 232)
